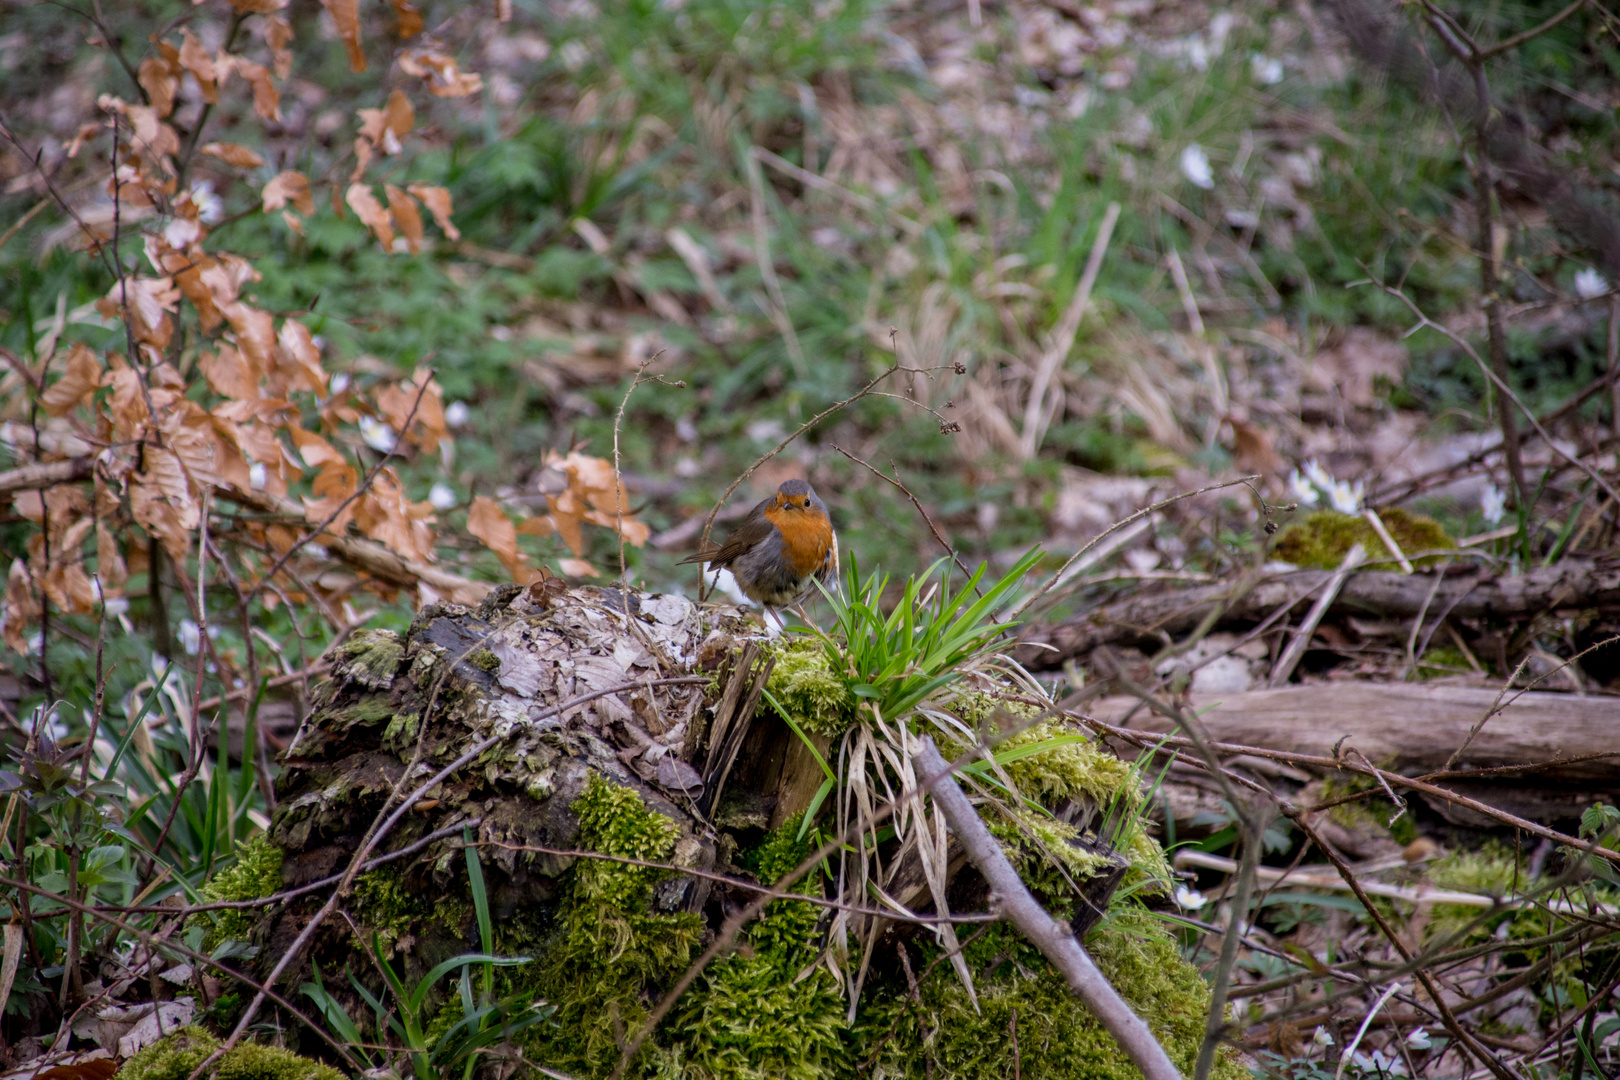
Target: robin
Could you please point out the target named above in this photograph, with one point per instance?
(782, 543)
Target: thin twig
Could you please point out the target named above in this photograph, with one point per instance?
(895, 482)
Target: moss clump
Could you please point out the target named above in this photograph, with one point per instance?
(176, 1056)
(255, 874)
(484, 660)
(814, 696)
(1058, 1038)
(769, 1010)
(611, 953)
(370, 658)
(1325, 536)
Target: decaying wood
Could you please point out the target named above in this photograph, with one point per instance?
(1571, 584)
(1055, 939)
(1411, 727)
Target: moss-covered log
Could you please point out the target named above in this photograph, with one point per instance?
(641, 734)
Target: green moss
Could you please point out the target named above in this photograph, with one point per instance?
(177, 1056)
(1058, 1038)
(611, 953)
(813, 694)
(1325, 536)
(484, 660)
(769, 1010)
(256, 873)
(370, 658)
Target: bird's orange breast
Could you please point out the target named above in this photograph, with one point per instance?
(807, 537)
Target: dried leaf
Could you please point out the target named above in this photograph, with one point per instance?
(437, 200)
(316, 451)
(578, 568)
(228, 373)
(266, 98)
(415, 409)
(151, 137)
(255, 336)
(22, 608)
(258, 7)
(371, 213)
(405, 216)
(336, 481)
(160, 500)
(298, 359)
(489, 523)
(110, 566)
(278, 34)
(444, 77)
(195, 59)
(384, 514)
(290, 186)
(400, 115)
(160, 79)
(233, 154)
(128, 406)
(408, 20)
(346, 15)
(82, 377)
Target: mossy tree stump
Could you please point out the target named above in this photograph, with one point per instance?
(630, 725)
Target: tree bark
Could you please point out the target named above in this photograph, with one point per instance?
(1571, 584)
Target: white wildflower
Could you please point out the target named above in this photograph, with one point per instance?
(190, 636)
(378, 435)
(1302, 489)
(456, 414)
(441, 497)
(1321, 1037)
(1419, 1039)
(1345, 497)
(258, 476)
(210, 207)
(1319, 476)
(1195, 167)
(1189, 899)
(1266, 70)
(340, 382)
(1493, 504)
(1589, 284)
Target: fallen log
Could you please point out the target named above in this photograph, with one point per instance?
(1540, 755)
(1581, 584)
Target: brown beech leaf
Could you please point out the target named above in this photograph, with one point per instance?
(152, 137)
(128, 406)
(298, 359)
(384, 514)
(437, 200)
(83, 376)
(400, 115)
(258, 7)
(195, 59)
(396, 403)
(278, 34)
(110, 566)
(160, 500)
(372, 213)
(255, 336)
(233, 154)
(266, 98)
(22, 606)
(489, 523)
(335, 482)
(159, 76)
(286, 187)
(444, 77)
(408, 20)
(228, 373)
(578, 568)
(316, 451)
(346, 15)
(150, 301)
(406, 216)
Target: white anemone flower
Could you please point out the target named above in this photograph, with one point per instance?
(1189, 899)
(1589, 284)
(1493, 504)
(378, 435)
(1419, 1039)
(1303, 490)
(1195, 167)
(441, 497)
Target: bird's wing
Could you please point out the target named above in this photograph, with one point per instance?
(752, 532)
